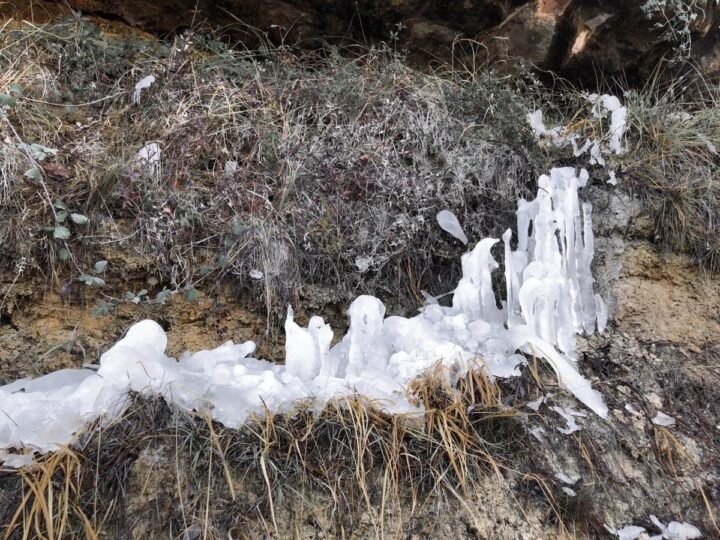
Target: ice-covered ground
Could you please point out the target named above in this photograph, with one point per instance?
(549, 299)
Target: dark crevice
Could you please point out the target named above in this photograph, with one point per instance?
(563, 40)
(107, 16)
(6, 320)
(165, 324)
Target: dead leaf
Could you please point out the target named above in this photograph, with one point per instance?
(58, 170)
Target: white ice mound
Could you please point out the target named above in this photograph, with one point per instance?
(549, 298)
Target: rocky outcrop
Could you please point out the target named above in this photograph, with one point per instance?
(569, 36)
(654, 297)
(584, 38)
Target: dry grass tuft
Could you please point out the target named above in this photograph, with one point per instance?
(367, 465)
(675, 161)
(49, 506)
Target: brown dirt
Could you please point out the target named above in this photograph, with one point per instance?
(45, 331)
(667, 299)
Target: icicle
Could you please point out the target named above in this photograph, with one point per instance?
(585, 278)
(474, 295)
(512, 282)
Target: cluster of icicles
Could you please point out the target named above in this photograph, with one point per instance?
(549, 299)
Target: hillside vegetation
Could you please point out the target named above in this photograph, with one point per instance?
(315, 170)
(309, 178)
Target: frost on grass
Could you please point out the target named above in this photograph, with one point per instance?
(149, 157)
(609, 113)
(550, 298)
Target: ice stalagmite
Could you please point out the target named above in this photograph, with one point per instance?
(549, 298)
(556, 294)
(474, 295)
(322, 337)
(302, 355)
(366, 345)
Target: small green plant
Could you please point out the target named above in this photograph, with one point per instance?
(102, 308)
(136, 298)
(163, 295)
(60, 231)
(38, 152)
(6, 102)
(192, 295)
(93, 279)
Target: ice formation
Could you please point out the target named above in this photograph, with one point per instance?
(676, 530)
(549, 298)
(611, 105)
(569, 415)
(144, 83)
(535, 405)
(673, 531)
(603, 106)
(662, 419)
(449, 223)
(540, 131)
(630, 532)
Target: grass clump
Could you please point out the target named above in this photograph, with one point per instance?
(676, 161)
(49, 505)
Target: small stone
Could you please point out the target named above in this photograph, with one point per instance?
(654, 400)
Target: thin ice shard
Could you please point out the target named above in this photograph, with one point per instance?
(513, 261)
(143, 84)
(585, 278)
(662, 419)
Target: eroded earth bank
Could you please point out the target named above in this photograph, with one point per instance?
(338, 167)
